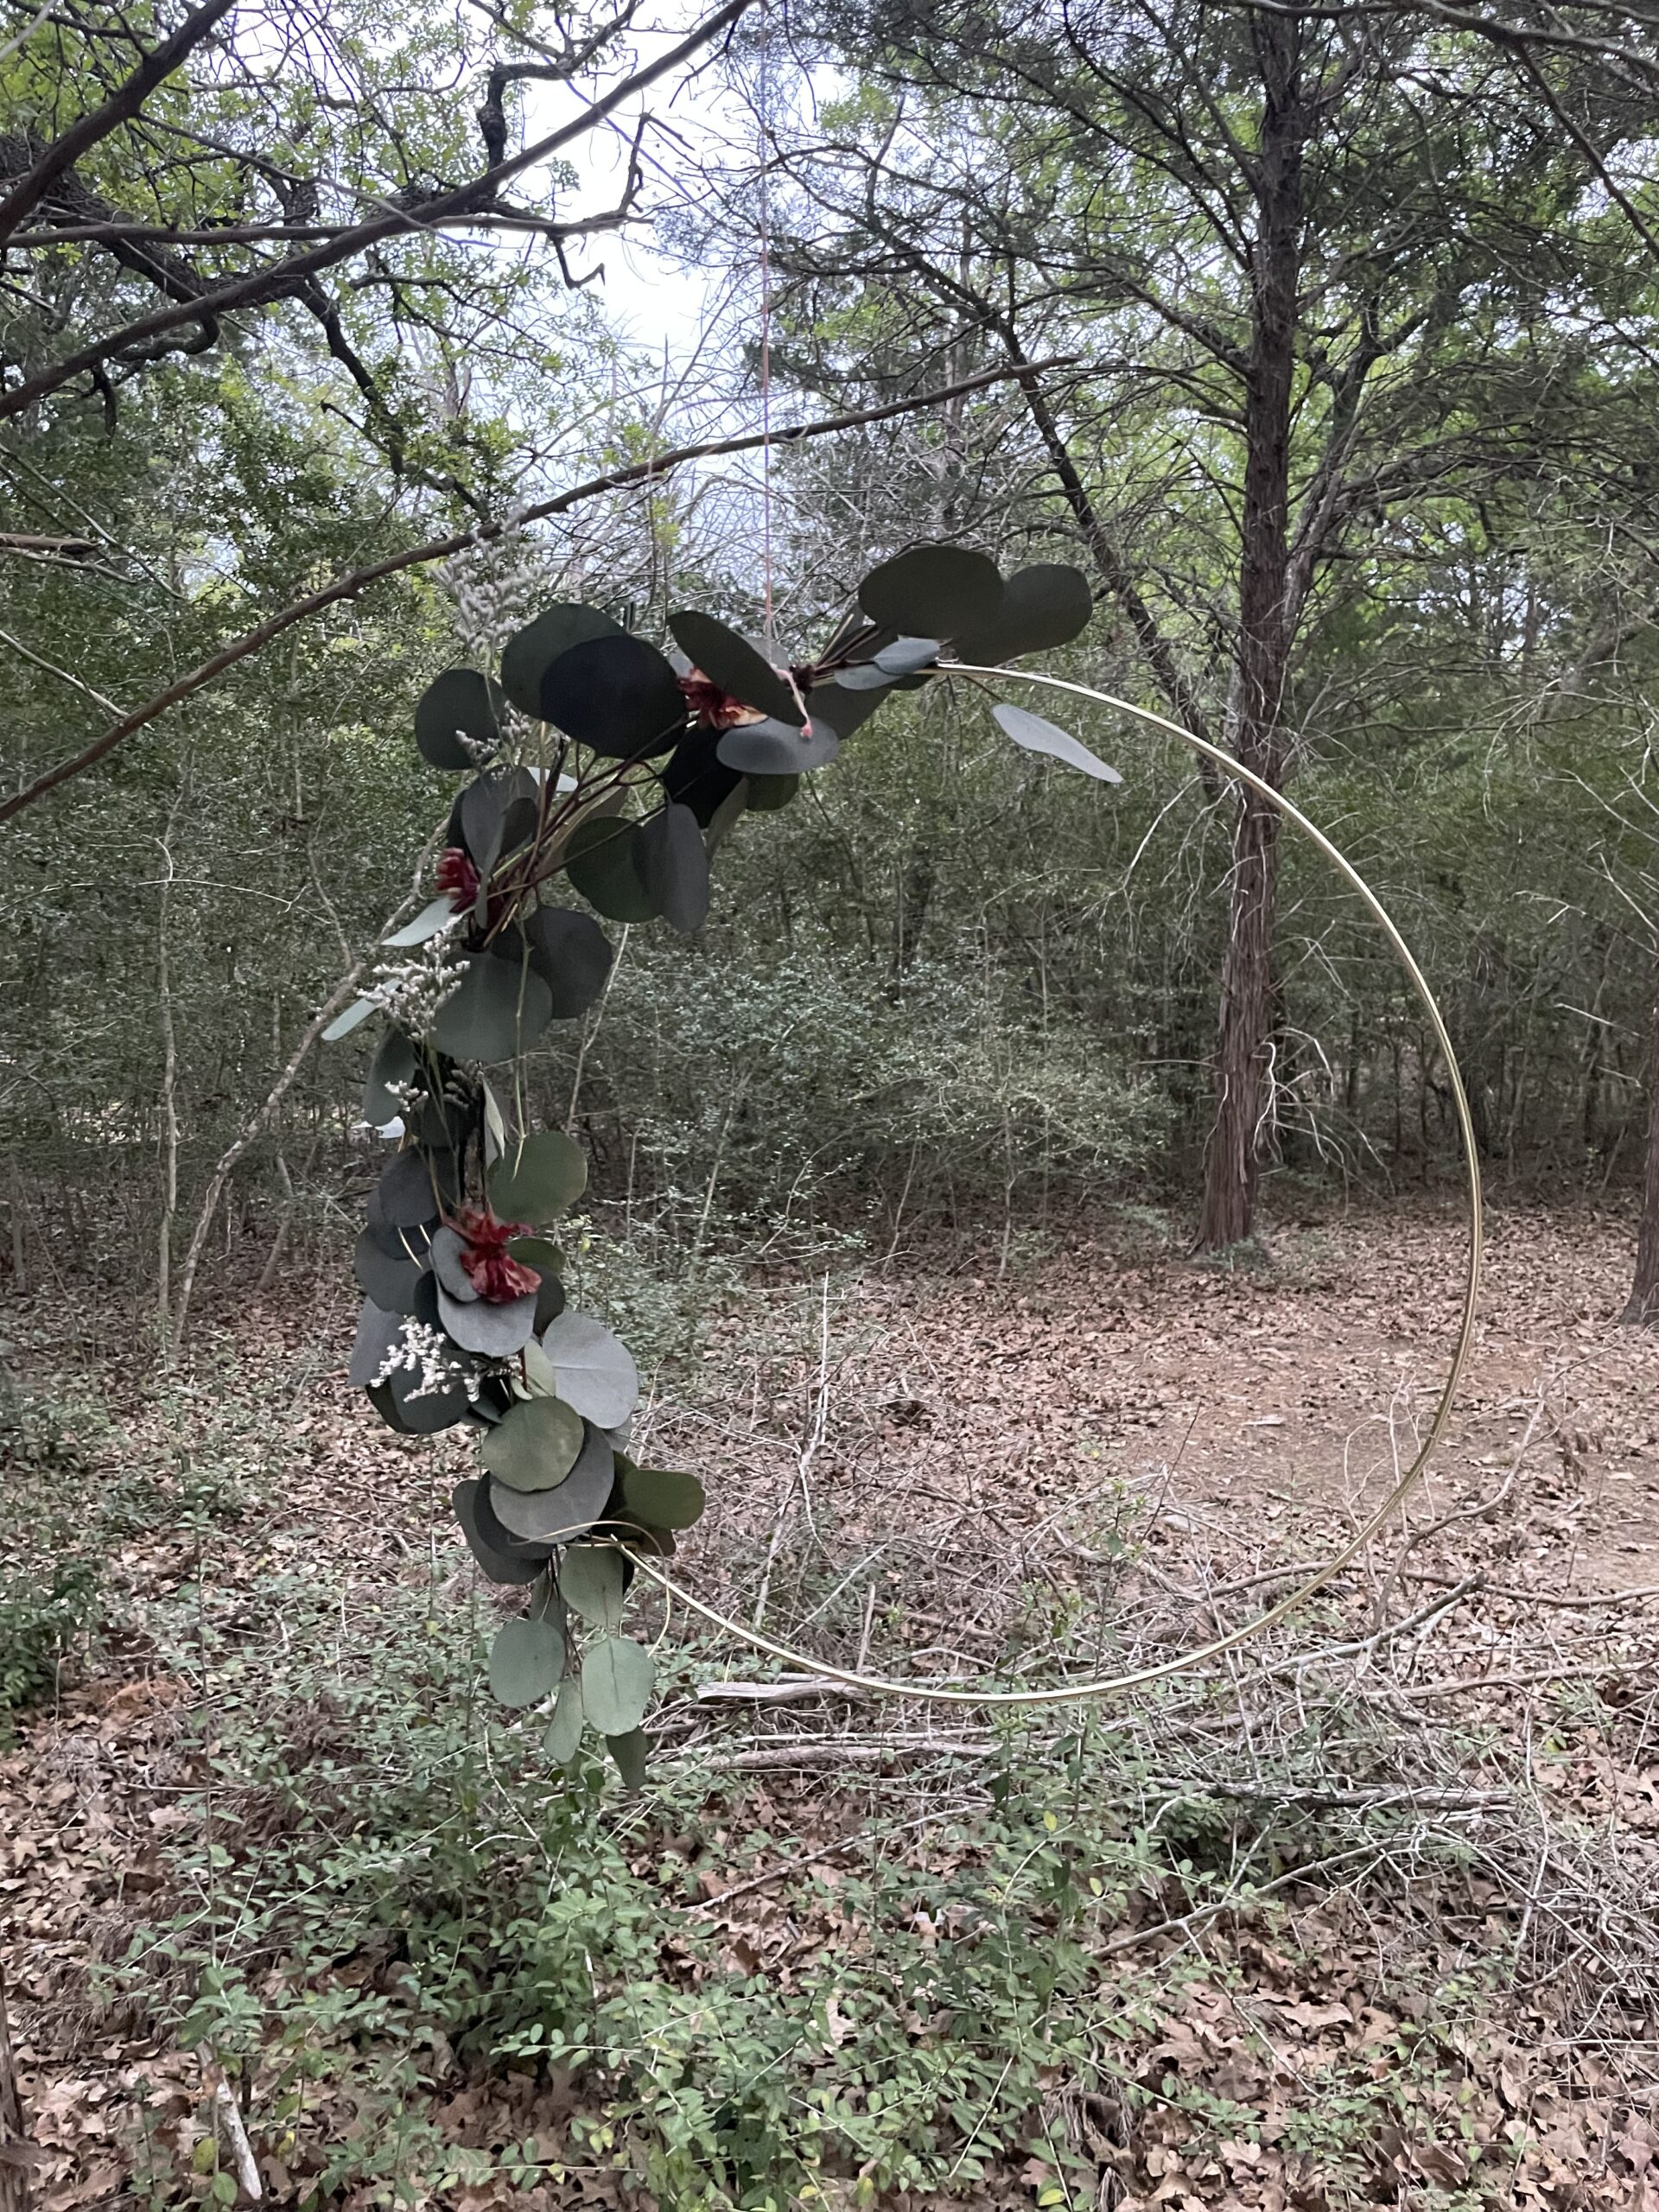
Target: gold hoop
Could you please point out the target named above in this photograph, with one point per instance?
(1110, 1685)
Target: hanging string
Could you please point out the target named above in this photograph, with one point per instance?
(763, 105)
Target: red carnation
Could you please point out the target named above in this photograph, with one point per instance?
(491, 1269)
(457, 875)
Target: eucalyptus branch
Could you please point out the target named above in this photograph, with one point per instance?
(442, 549)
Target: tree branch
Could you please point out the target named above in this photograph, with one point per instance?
(282, 280)
(442, 549)
(119, 108)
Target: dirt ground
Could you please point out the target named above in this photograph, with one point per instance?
(1237, 1425)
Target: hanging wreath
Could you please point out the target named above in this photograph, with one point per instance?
(598, 766)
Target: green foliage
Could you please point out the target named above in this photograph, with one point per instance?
(390, 1900)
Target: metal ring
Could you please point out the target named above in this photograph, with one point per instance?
(1110, 1685)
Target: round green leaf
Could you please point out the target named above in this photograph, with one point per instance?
(1043, 607)
(617, 1682)
(499, 1565)
(673, 864)
(600, 862)
(530, 653)
(413, 1185)
(570, 1509)
(593, 1583)
(630, 1752)
(563, 1737)
(537, 1180)
(460, 704)
(385, 1279)
(933, 591)
(534, 1447)
(766, 794)
(595, 1370)
(571, 954)
(494, 1330)
(617, 694)
(772, 749)
(660, 1497)
(526, 1661)
(499, 1010)
(740, 669)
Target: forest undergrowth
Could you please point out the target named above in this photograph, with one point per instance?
(1358, 1914)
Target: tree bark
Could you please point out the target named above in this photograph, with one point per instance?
(1643, 1311)
(1261, 660)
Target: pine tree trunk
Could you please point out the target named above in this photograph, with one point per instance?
(1241, 1045)
(1643, 1307)
(1265, 629)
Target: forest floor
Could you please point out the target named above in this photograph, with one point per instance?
(1359, 1912)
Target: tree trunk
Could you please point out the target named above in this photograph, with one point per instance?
(1265, 626)
(1643, 1307)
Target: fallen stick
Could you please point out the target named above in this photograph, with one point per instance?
(788, 1689)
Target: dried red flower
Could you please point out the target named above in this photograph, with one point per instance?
(457, 875)
(714, 709)
(491, 1269)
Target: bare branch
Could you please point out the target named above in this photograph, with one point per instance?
(284, 279)
(440, 549)
(119, 108)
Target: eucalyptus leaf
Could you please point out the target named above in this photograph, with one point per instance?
(461, 704)
(673, 865)
(732, 663)
(378, 1334)
(595, 1370)
(564, 1738)
(617, 696)
(535, 1446)
(766, 794)
(593, 1584)
(500, 1566)
(571, 1508)
(695, 775)
(630, 1753)
(447, 1246)
(526, 1661)
(933, 591)
(394, 1062)
(414, 1186)
(343, 1024)
(386, 1281)
(1043, 607)
(495, 1532)
(617, 1682)
(497, 1011)
(424, 1412)
(572, 955)
(906, 656)
(599, 860)
(661, 1497)
(772, 749)
(1038, 735)
(427, 923)
(536, 1180)
(530, 653)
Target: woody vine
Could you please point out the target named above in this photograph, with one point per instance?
(602, 770)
